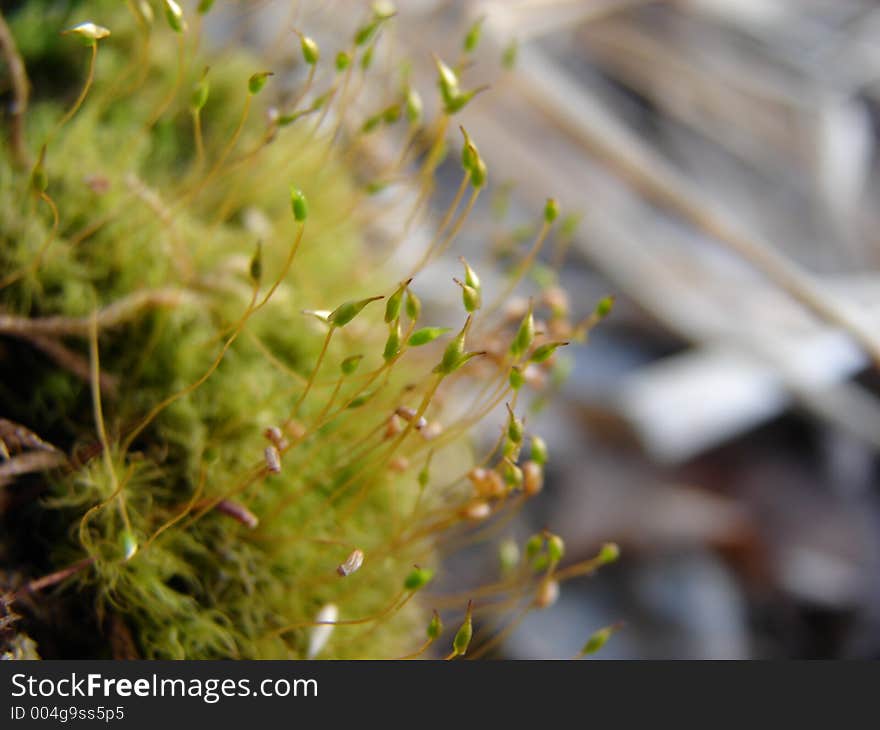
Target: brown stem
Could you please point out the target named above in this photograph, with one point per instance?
(52, 579)
(110, 316)
(29, 463)
(71, 361)
(20, 93)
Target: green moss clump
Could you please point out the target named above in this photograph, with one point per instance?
(218, 463)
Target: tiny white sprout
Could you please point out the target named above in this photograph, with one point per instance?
(409, 415)
(273, 459)
(238, 512)
(548, 594)
(274, 435)
(323, 629)
(320, 314)
(89, 32)
(477, 511)
(352, 563)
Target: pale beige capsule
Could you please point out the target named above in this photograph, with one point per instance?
(324, 624)
(487, 483)
(295, 430)
(557, 299)
(238, 512)
(477, 511)
(477, 475)
(495, 486)
(394, 426)
(432, 430)
(98, 184)
(273, 459)
(535, 376)
(352, 563)
(561, 329)
(399, 464)
(274, 435)
(548, 594)
(409, 415)
(533, 478)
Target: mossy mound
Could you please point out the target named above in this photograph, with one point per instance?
(144, 224)
(215, 441)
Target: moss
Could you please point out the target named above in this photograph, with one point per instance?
(150, 266)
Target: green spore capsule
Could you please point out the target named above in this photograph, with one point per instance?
(299, 205)
(555, 548)
(524, 335)
(545, 352)
(393, 305)
(435, 628)
(463, 636)
(343, 61)
(516, 378)
(350, 364)
(539, 450)
(597, 640)
(414, 106)
(418, 578)
(199, 96)
(609, 553)
(310, 51)
(426, 335)
(344, 313)
(603, 308)
(392, 344)
(472, 37)
(257, 81)
(256, 267)
(413, 305)
(174, 16)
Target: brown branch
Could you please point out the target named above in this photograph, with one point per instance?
(110, 316)
(71, 361)
(20, 93)
(50, 580)
(28, 463)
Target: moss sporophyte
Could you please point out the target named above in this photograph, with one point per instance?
(225, 429)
